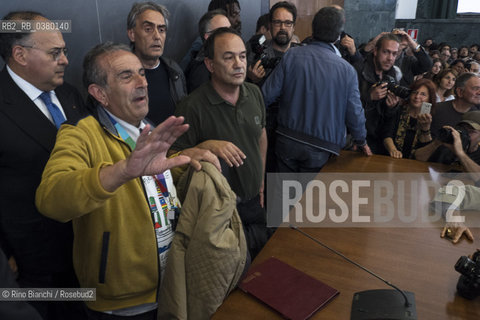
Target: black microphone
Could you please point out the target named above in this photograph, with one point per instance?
(366, 304)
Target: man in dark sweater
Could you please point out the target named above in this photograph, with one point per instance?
(467, 98)
(147, 25)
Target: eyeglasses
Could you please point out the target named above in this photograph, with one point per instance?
(55, 53)
(286, 23)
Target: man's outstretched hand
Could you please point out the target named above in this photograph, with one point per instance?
(149, 155)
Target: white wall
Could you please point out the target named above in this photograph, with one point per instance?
(406, 9)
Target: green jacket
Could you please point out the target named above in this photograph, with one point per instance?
(114, 240)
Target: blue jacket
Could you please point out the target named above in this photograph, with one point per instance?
(319, 97)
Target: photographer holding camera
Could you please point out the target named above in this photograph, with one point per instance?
(454, 145)
(375, 74)
(451, 113)
(266, 55)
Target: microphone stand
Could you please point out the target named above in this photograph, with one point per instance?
(375, 304)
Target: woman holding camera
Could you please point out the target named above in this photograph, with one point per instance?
(409, 127)
(445, 82)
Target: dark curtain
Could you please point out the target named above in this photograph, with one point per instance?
(437, 9)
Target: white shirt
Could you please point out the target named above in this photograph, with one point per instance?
(34, 94)
(450, 97)
(132, 131)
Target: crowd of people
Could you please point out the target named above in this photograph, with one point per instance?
(88, 198)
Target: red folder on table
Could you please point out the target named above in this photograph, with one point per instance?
(291, 292)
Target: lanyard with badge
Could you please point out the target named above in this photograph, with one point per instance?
(162, 201)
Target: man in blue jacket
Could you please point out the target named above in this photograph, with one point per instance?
(319, 99)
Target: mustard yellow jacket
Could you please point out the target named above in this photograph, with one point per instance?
(114, 240)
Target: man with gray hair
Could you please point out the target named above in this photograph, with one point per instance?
(319, 99)
(108, 174)
(467, 98)
(34, 102)
(147, 25)
(473, 67)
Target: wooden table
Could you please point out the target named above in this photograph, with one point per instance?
(349, 161)
(416, 260)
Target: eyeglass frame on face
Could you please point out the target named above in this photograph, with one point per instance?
(286, 23)
(55, 53)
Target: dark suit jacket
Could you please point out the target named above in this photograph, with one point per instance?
(39, 245)
(13, 309)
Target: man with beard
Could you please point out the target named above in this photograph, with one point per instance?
(378, 102)
(319, 99)
(232, 8)
(463, 53)
(283, 16)
(282, 19)
(147, 25)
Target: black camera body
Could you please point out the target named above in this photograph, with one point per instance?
(445, 135)
(468, 285)
(392, 86)
(258, 47)
(270, 63)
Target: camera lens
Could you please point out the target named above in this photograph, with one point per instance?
(445, 135)
(465, 266)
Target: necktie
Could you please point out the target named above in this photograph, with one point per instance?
(54, 110)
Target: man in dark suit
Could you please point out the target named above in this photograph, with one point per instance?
(34, 101)
(13, 309)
